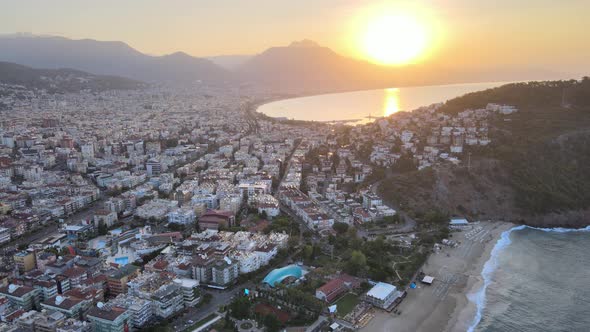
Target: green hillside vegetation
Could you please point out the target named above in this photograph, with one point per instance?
(538, 159)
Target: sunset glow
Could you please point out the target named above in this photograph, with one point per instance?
(391, 103)
(394, 39)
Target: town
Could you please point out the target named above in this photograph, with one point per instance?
(185, 209)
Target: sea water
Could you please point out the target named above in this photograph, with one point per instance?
(536, 280)
(355, 107)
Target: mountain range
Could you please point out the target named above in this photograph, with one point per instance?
(62, 80)
(301, 67)
(106, 58)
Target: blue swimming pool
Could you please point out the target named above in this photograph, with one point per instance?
(122, 260)
(277, 275)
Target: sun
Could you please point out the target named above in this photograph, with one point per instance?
(394, 39)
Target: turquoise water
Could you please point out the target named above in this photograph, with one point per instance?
(358, 105)
(536, 281)
(122, 260)
(277, 275)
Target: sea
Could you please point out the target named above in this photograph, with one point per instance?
(359, 107)
(536, 280)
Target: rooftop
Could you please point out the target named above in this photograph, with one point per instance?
(381, 290)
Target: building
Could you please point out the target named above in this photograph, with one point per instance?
(370, 200)
(459, 223)
(153, 167)
(23, 297)
(224, 272)
(382, 295)
(4, 235)
(24, 261)
(190, 291)
(214, 219)
(182, 216)
(140, 310)
(79, 232)
(70, 306)
(331, 290)
(117, 281)
(167, 301)
(106, 318)
(105, 217)
(46, 321)
(215, 272)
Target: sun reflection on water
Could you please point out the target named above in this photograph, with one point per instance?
(391, 102)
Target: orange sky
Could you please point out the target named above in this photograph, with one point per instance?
(546, 33)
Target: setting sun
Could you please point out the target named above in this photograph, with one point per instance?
(394, 39)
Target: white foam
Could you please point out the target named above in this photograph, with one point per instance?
(479, 297)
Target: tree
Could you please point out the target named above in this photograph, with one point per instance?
(436, 217)
(240, 308)
(340, 227)
(357, 263)
(272, 323)
(308, 252)
(102, 228)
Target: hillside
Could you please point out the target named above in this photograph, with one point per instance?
(62, 80)
(536, 170)
(107, 58)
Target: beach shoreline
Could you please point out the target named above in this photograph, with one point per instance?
(444, 305)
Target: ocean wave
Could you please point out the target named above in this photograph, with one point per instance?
(479, 297)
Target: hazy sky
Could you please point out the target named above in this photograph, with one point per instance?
(534, 32)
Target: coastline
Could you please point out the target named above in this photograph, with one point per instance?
(465, 317)
(445, 305)
(291, 96)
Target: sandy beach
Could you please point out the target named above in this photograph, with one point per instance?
(444, 306)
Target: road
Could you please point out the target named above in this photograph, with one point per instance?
(218, 298)
(53, 227)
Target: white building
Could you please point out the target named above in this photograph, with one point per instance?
(87, 150)
(153, 167)
(183, 216)
(190, 291)
(4, 235)
(382, 295)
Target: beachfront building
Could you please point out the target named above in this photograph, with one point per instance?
(382, 295)
(459, 223)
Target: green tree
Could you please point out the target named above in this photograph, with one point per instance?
(340, 227)
(102, 228)
(357, 263)
(240, 308)
(272, 323)
(308, 252)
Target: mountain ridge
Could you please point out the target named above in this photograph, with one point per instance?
(302, 67)
(62, 79)
(107, 58)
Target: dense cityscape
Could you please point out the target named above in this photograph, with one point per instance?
(138, 209)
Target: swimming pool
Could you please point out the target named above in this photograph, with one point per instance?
(277, 275)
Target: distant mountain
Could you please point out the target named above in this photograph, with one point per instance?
(229, 62)
(107, 58)
(62, 80)
(305, 66)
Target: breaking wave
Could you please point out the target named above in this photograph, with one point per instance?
(479, 297)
